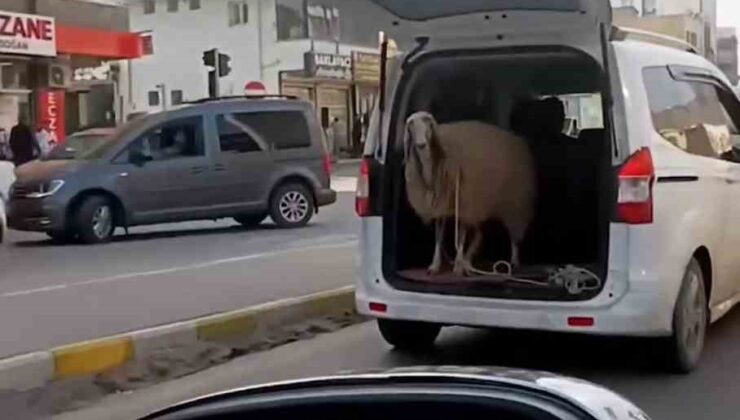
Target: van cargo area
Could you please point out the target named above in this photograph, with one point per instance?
(553, 99)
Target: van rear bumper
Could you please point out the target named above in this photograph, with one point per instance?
(637, 313)
(324, 197)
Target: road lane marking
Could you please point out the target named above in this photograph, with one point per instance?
(344, 183)
(30, 291)
(171, 270)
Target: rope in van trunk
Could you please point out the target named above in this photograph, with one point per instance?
(575, 280)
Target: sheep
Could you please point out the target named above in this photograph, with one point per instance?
(496, 175)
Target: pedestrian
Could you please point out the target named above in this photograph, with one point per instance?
(44, 138)
(22, 144)
(5, 152)
(357, 135)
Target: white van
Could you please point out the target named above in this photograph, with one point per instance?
(637, 223)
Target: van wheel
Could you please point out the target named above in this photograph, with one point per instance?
(94, 220)
(249, 220)
(291, 206)
(408, 335)
(682, 351)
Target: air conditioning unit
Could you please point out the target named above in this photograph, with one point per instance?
(59, 76)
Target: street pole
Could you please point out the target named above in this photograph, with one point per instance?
(217, 69)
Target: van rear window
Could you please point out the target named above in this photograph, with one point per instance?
(283, 129)
(431, 9)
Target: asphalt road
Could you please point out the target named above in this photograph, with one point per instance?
(57, 294)
(709, 393)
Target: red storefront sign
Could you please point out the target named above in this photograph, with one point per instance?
(50, 109)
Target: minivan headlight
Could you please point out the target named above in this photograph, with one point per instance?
(47, 189)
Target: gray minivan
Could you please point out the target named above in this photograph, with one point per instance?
(241, 158)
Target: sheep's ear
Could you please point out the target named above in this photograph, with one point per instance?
(406, 143)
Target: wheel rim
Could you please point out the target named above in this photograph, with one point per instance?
(694, 314)
(102, 222)
(293, 206)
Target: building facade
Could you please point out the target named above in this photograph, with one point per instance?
(324, 51)
(694, 21)
(727, 54)
(62, 67)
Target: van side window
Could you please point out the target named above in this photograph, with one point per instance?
(236, 136)
(180, 138)
(282, 129)
(689, 114)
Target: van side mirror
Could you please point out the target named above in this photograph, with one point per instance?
(138, 158)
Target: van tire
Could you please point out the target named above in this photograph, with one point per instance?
(681, 352)
(94, 220)
(250, 220)
(409, 335)
(292, 205)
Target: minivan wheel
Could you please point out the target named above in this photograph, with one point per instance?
(408, 335)
(291, 206)
(250, 220)
(682, 351)
(94, 220)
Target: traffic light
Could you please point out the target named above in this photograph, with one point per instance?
(223, 65)
(209, 58)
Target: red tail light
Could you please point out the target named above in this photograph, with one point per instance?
(327, 164)
(635, 201)
(362, 196)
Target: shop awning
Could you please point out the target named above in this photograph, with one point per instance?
(97, 43)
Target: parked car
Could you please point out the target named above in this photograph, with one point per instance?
(7, 176)
(428, 393)
(78, 144)
(634, 231)
(240, 158)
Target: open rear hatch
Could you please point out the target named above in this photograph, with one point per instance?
(430, 29)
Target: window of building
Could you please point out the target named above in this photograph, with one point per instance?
(173, 5)
(149, 7)
(649, 7)
(176, 97)
(323, 22)
(680, 108)
(181, 138)
(238, 13)
(194, 4)
(291, 19)
(153, 98)
(236, 136)
(147, 44)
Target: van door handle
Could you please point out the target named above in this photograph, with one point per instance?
(196, 170)
(219, 167)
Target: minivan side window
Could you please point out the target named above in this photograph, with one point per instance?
(180, 138)
(236, 136)
(690, 114)
(283, 130)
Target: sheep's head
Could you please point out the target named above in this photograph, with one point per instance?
(419, 144)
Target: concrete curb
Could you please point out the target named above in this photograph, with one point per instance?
(240, 328)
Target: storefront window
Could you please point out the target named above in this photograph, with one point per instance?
(291, 19)
(13, 74)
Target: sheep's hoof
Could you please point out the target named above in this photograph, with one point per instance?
(434, 269)
(460, 269)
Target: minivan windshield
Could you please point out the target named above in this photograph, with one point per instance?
(431, 9)
(112, 140)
